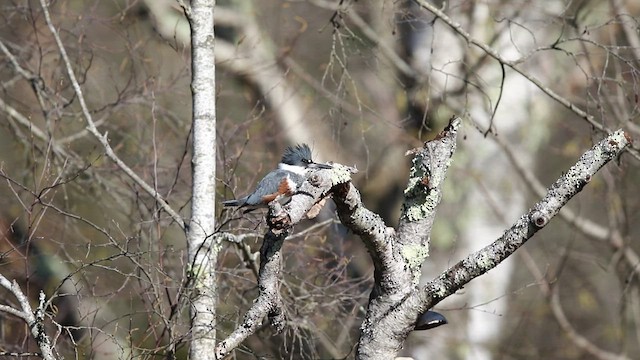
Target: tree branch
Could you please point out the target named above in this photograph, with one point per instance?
(383, 336)
(513, 65)
(34, 322)
(319, 185)
(268, 302)
(550, 292)
(102, 138)
(397, 257)
(538, 217)
(582, 224)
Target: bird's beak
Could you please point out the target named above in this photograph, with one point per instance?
(320, 166)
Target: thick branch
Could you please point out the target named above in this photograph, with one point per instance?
(539, 216)
(397, 257)
(368, 225)
(386, 335)
(424, 191)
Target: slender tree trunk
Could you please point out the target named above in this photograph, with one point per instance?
(202, 251)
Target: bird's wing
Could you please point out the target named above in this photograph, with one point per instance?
(276, 183)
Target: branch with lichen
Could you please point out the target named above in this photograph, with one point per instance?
(396, 259)
(397, 302)
(388, 332)
(565, 188)
(398, 255)
(34, 320)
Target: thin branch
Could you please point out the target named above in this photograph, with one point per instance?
(551, 293)
(12, 311)
(630, 26)
(513, 65)
(102, 138)
(19, 69)
(35, 321)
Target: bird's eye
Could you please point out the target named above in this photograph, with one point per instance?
(306, 161)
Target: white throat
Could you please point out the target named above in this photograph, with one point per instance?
(293, 168)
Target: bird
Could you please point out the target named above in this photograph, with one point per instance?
(281, 183)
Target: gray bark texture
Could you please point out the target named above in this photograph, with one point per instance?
(33, 319)
(202, 250)
(384, 332)
(397, 299)
(398, 255)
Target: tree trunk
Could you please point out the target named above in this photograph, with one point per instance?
(202, 250)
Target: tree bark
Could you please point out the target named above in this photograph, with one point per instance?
(201, 248)
(385, 330)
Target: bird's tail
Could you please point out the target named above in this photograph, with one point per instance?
(231, 203)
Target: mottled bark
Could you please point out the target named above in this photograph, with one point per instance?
(398, 256)
(33, 319)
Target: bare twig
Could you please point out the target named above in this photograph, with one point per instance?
(551, 293)
(253, 60)
(102, 138)
(629, 24)
(513, 65)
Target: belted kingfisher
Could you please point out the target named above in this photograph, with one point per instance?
(283, 182)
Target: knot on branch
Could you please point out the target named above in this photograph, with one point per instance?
(277, 319)
(539, 219)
